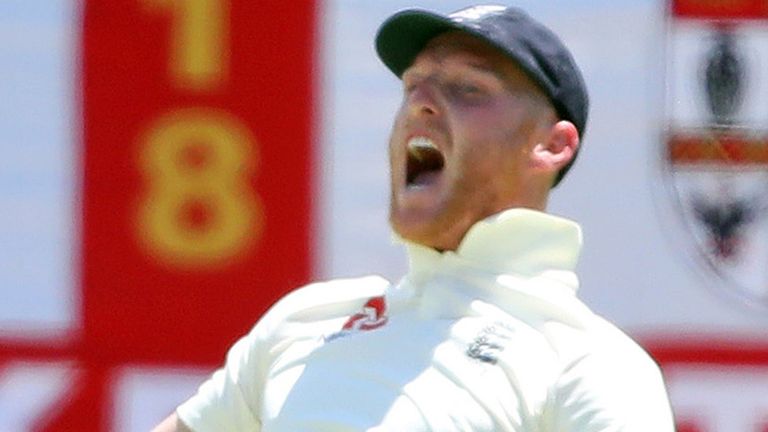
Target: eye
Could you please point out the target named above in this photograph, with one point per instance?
(467, 89)
(410, 85)
(410, 80)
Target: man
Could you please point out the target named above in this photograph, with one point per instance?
(484, 333)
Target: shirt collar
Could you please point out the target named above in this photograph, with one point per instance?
(517, 241)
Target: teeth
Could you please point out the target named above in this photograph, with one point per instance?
(418, 146)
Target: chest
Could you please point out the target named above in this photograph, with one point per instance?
(410, 374)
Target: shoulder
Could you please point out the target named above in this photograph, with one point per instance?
(233, 395)
(601, 351)
(611, 345)
(309, 310)
(612, 381)
(327, 300)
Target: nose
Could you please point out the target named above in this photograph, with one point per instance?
(423, 100)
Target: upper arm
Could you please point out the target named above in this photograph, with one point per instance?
(229, 399)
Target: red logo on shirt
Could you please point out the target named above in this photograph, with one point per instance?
(372, 317)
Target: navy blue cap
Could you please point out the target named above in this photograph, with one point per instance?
(532, 46)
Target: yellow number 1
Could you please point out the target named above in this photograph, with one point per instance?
(199, 49)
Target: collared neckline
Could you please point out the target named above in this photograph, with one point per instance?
(516, 241)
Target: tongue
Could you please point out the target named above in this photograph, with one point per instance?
(424, 166)
(425, 178)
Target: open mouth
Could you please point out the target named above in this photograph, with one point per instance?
(425, 161)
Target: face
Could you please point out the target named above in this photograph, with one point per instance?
(462, 142)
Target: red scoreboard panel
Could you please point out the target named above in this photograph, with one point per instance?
(197, 149)
(720, 9)
(197, 131)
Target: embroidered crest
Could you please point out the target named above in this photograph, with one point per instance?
(489, 343)
(475, 12)
(372, 317)
(715, 150)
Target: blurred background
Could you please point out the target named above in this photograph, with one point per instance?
(170, 168)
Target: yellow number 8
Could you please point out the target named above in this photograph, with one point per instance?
(199, 210)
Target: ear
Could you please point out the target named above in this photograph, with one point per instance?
(558, 147)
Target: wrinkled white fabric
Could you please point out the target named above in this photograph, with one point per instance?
(488, 338)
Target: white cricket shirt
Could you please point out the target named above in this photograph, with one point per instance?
(488, 338)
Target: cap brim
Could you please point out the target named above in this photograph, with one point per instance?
(404, 35)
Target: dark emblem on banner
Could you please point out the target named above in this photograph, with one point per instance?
(716, 143)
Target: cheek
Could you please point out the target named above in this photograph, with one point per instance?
(481, 166)
(395, 135)
(494, 162)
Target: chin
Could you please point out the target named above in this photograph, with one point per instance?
(424, 232)
(411, 230)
